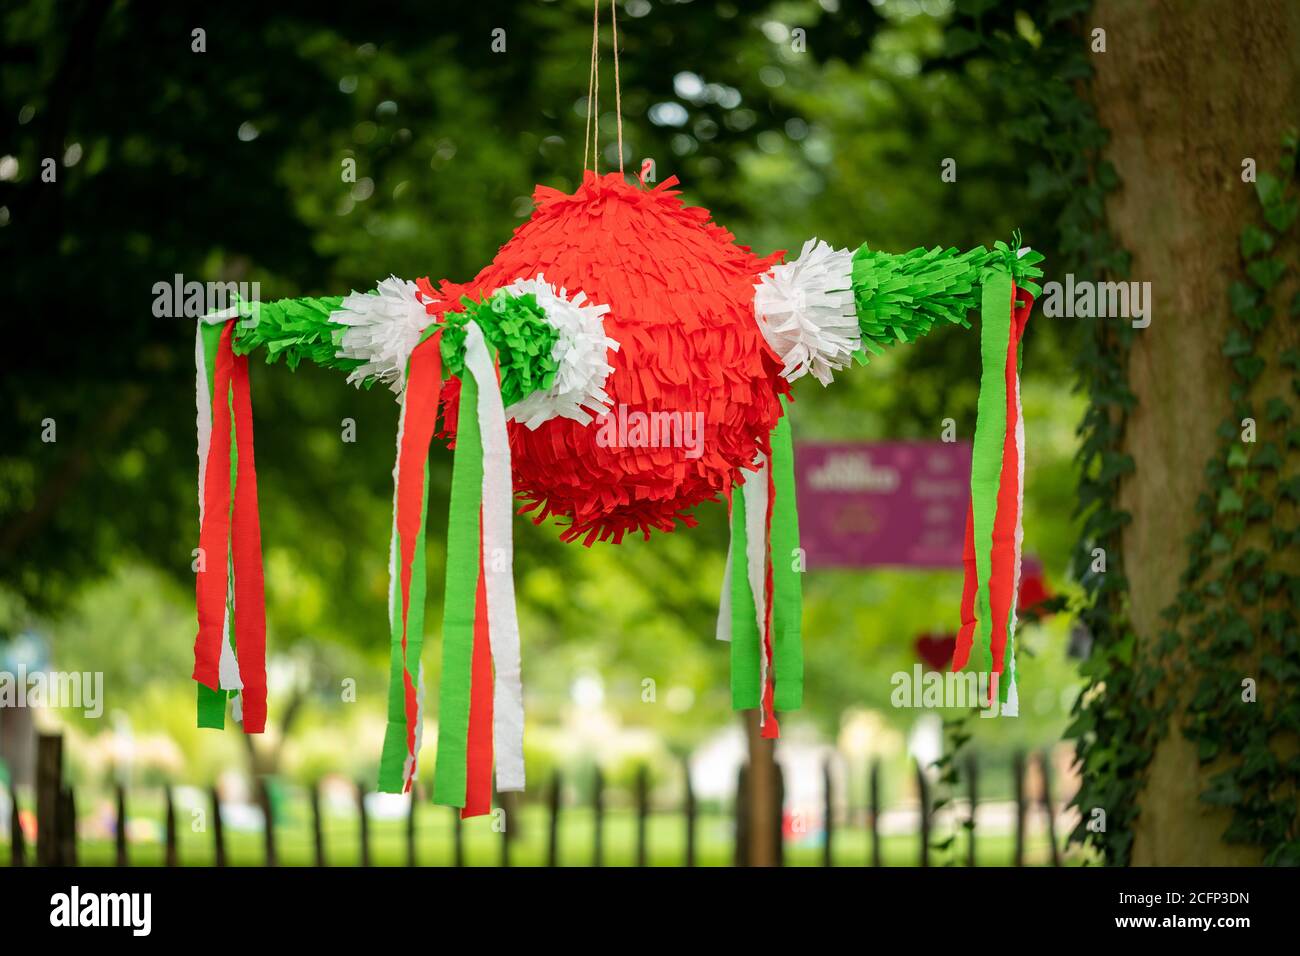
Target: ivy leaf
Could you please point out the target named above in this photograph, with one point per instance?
(1289, 489)
(1223, 791)
(1255, 240)
(1269, 189)
(1266, 272)
(1268, 457)
(1282, 215)
(1237, 344)
(1277, 410)
(1242, 298)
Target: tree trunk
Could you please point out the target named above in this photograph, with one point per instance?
(1188, 90)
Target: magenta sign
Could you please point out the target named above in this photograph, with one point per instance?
(889, 503)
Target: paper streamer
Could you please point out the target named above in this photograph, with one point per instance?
(459, 602)
(478, 739)
(416, 425)
(249, 603)
(230, 646)
(994, 530)
(787, 592)
(746, 668)
(758, 519)
(498, 564)
(744, 620)
(211, 703)
(763, 558)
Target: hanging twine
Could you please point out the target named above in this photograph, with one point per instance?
(591, 128)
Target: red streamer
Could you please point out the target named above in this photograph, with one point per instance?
(211, 582)
(478, 743)
(1002, 571)
(246, 557)
(771, 729)
(423, 386)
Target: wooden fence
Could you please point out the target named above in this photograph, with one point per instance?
(56, 817)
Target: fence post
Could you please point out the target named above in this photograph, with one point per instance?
(363, 824)
(411, 850)
(778, 818)
(742, 817)
(268, 816)
(120, 836)
(828, 814)
(218, 833)
(1045, 764)
(1018, 770)
(507, 803)
(598, 818)
(49, 786)
(457, 838)
(972, 794)
(642, 813)
(690, 813)
(67, 827)
(219, 838)
(17, 840)
(171, 857)
(317, 826)
(553, 838)
(923, 794)
(873, 811)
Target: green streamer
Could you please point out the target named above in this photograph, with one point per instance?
(787, 588)
(459, 601)
(990, 436)
(392, 760)
(746, 692)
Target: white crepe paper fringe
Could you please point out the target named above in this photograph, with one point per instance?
(383, 330)
(755, 492)
(806, 313)
(498, 566)
(581, 349)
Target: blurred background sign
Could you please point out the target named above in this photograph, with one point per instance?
(867, 504)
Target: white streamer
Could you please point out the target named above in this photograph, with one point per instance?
(498, 566)
(724, 601)
(755, 491)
